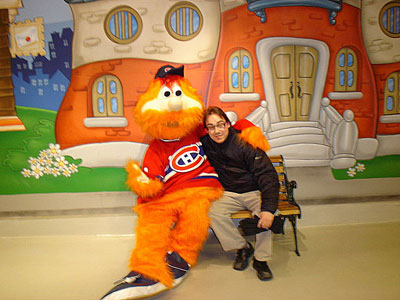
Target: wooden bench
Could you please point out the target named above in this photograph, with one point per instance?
(287, 206)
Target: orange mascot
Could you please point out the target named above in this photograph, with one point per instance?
(175, 186)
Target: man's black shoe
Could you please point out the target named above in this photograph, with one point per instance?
(242, 257)
(263, 271)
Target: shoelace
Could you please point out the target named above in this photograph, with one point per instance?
(127, 279)
(180, 269)
(136, 277)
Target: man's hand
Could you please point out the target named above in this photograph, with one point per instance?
(266, 219)
(252, 226)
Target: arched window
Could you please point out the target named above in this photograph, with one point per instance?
(123, 25)
(184, 21)
(389, 19)
(107, 97)
(240, 72)
(392, 94)
(346, 71)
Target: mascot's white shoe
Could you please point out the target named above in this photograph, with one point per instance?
(136, 286)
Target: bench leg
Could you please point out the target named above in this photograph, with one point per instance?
(292, 220)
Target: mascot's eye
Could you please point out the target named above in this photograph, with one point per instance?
(165, 92)
(177, 90)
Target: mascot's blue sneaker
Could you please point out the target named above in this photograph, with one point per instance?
(178, 266)
(136, 286)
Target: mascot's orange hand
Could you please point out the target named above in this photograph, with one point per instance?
(142, 185)
(252, 134)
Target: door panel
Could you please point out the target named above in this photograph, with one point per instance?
(283, 74)
(306, 66)
(305, 103)
(284, 101)
(294, 72)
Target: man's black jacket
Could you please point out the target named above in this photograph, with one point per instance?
(242, 168)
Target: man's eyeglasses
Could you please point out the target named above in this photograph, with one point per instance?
(220, 125)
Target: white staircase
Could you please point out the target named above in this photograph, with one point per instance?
(329, 140)
(302, 143)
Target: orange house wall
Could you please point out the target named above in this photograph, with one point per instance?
(382, 72)
(135, 75)
(243, 29)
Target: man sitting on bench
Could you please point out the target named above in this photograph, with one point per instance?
(250, 182)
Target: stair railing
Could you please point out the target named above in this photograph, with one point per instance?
(341, 133)
(260, 117)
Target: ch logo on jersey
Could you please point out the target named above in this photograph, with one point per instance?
(186, 158)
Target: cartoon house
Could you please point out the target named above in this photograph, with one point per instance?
(321, 78)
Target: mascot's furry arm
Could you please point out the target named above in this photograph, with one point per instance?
(140, 183)
(252, 134)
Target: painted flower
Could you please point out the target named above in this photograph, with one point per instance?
(26, 173)
(41, 161)
(48, 161)
(60, 162)
(73, 168)
(360, 167)
(55, 172)
(47, 170)
(37, 171)
(44, 154)
(54, 149)
(66, 172)
(351, 172)
(32, 161)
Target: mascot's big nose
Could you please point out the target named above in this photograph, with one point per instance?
(175, 104)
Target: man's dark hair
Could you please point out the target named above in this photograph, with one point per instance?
(214, 110)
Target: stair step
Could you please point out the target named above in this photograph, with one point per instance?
(293, 163)
(294, 131)
(301, 151)
(318, 139)
(294, 124)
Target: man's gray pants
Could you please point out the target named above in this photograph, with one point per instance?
(227, 232)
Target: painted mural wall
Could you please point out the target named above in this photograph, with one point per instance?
(320, 78)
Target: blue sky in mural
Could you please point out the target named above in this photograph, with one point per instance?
(56, 16)
(42, 84)
(55, 11)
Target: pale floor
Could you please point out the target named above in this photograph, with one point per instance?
(353, 261)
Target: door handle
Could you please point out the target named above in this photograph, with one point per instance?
(299, 89)
(291, 89)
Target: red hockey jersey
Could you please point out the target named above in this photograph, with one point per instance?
(179, 164)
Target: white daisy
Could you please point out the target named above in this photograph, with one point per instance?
(351, 172)
(73, 168)
(26, 173)
(60, 162)
(41, 161)
(66, 172)
(37, 171)
(46, 170)
(55, 172)
(48, 161)
(360, 167)
(54, 149)
(33, 161)
(44, 153)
